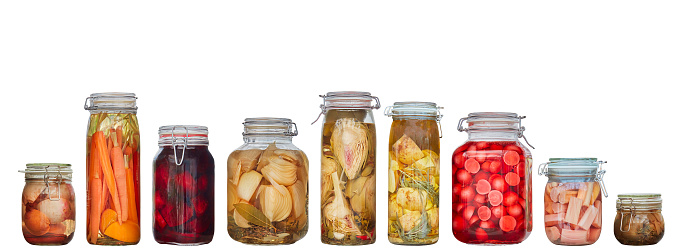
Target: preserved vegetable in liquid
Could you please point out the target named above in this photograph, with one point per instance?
(573, 212)
(414, 182)
(348, 178)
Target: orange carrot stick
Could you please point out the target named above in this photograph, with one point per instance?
(119, 134)
(107, 171)
(105, 198)
(95, 194)
(128, 151)
(117, 158)
(132, 197)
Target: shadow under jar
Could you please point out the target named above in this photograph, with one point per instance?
(414, 173)
(347, 179)
(267, 185)
(184, 182)
(639, 219)
(113, 162)
(573, 200)
(48, 209)
(492, 195)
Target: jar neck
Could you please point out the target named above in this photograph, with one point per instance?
(50, 181)
(493, 135)
(267, 139)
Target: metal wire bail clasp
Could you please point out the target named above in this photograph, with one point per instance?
(520, 131)
(289, 132)
(46, 179)
(600, 175)
(174, 144)
(88, 104)
(322, 109)
(630, 209)
(543, 169)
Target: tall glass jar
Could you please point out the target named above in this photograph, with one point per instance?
(414, 173)
(267, 185)
(112, 161)
(639, 219)
(347, 179)
(573, 200)
(48, 210)
(492, 196)
(183, 186)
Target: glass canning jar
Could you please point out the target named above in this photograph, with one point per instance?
(492, 195)
(267, 185)
(347, 179)
(113, 162)
(639, 219)
(48, 209)
(183, 182)
(414, 173)
(573, 200)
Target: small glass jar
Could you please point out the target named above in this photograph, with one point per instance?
(639, 219)
(573, 200)
(414, 173)
(347, 179)
(492, 181)
(184, 182)
(112, 170)
(267, 185)
(48, 210)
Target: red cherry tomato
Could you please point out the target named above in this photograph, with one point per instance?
(459, 224)
(498, 212)
(480, 199)
(464, 177)
(485, 166)
(511, 158)
(521, 169)
(495, 167)
(480, 234)
(512, 179)
(487, 225)
(514, 148)
(462, 148)
(456, 189)
(458, 207)
(473, 220)
(492, 177)
(482, 145)
(499, 184)
(481, 175)
(510, 198)
(507, 223)
(471, 152)
(459, 160)
(522, 202)
(467, 194)
(468, 212)
(483, 187)
(495, 197)
(496, 147)
(515, 210)
(472, 165)
(482, 156)
(484, 213)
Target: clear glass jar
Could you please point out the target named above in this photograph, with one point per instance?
(492, 195)
(639, 219)
(48, 209)
(573, 200)
(267, 185)
(414, 173)
(184, 182)
(348, 169)
(113, 161)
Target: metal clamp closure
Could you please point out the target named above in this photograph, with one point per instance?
(629, 209)
(521, 128)
(174, 144)
(292, 133)
(46, 179)
(323, 108)
(599, 176)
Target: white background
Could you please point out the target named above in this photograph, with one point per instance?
(596, 79)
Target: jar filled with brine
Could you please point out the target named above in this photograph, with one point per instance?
(267, 185)
(112, 154)
(492, 196)
(639, 219)
(184, 182)
(573, 200)
(414, 173)
(48, 210)
(347, 179)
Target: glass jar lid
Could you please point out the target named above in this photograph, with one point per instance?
(191, 135)
(269, 126)
(639, 201)
(347, 100)
(48, 171)
(494, 121)
(111, 101)
(414, 109)
(575, 167)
